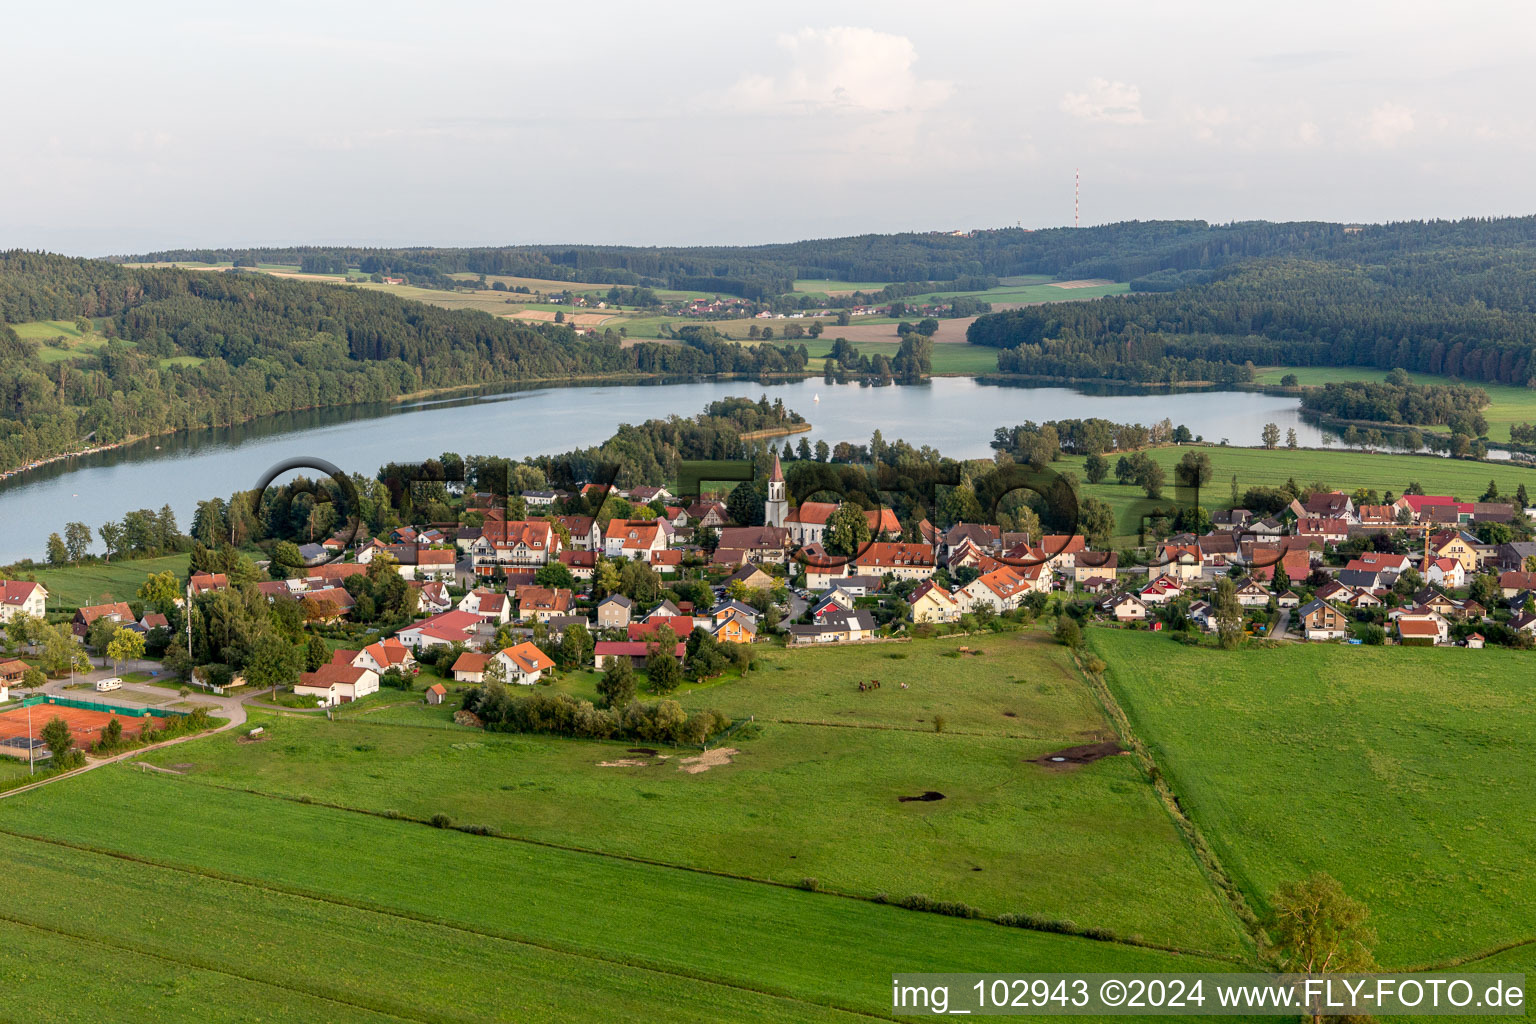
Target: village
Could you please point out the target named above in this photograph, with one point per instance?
(509, 599)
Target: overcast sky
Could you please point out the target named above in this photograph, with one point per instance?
(130, 127)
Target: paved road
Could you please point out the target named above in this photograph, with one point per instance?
(1282, 625)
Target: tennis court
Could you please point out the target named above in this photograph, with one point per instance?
(86, 725)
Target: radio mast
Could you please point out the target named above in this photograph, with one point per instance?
(1077, 188)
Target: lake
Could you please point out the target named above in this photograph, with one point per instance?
(953, 414)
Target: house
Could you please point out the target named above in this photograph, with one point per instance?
(519, 543)
(1435, 601)
(1363, 598)
(752, 578)
(206, 582)
(1161, 590)
(334, 683)
(523, 663)
(637, 539)
(932, 603)
(1322, 621)
(1267, 527)
(539, 499)
(606, 651)
(433, 597)
(668, 562)
(680, 625)
(835, 599)
(437, 693)
(1183, 562)
(1524, 622)
(435, 563)
(585, 536)
(1323, 530)
(583, 564)
(1123, 608)
(539, 603)
(12, 673)
(677, 516)
(1230, 519)
(734, 610)
(1289, 599)
(1059, 552)
(614, 611)
(1253, 594)
(151, 620)
(708, 513)
(882, 523)
(1475, 642)
(1514, 582)
(644, 494)
(1389, 566)
(1445, 572)
(1414, 504)
(733, 630)
(757, 544)
(1421, 630)
(903, 561)
(1001, 590)
(469, 667)
(1089, 565)
(117, 611)
(1330, 505)
(1334, 590)
(21, 597)
(444, 629)
(1203, 615)
(1455, 544)
(1360, 579)
(1218, 550)
(383, 656)
(842, 627)
(1520, 554)
(1377, 517)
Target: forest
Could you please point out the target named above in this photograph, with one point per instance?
(1468, 313)
(187, 350)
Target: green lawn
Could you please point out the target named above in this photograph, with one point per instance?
(805, 800)
(326, 914)
(949, 358)
(1508, 404)
(1345, 470)
(1409, 774)
(45, 331)
(95, 583)
(825, 287)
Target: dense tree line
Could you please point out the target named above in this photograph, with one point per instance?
(1467, 313)
(260, 345)
(1456, 406)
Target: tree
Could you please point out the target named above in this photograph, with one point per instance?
(1316, 928)
(1096, 467)
(125, 645)
(1271, 435)
(617, 685)
(1193, 470)
(575, 646)
(1149, 477)
(1229, 615)
(58, 553)
(60, 742)
(1068, 632)
(847, 530)
(555, 575)
(661, 666)
(1096, 522)
(98, 635)
(111, 535)
(316, 653)
(606, 579)
(160, 590)
(77, 538)
(1289, 381)
(1290, 437)
(273, 662)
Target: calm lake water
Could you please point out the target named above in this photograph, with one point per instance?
(955, 415)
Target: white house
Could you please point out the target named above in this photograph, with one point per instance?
(1445, 572)
(20, 597)
(334, 684)
(524, 663)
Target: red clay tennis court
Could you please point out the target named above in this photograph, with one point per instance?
(85, 723)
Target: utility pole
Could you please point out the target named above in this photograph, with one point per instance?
(31, 767)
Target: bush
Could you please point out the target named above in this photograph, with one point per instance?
(1035, 922)
(939, 721)
(810, 884)
(948, 908)
(441, 821)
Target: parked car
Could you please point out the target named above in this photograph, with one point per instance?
(113, 683)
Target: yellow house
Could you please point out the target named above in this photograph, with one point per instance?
(1095, 564)
(1453, 544)
(932, 603)
(733, 631)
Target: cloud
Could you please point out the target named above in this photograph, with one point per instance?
(1107, 102)
(842, 70)
(1388, 124)
(1207, 119)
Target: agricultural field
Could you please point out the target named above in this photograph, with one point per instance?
(1406, 773)
(804, 800)
(1345, 470)
(1507, 404)
(436, 924)
(70, 586)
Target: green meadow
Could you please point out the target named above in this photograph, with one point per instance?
(70, 586)
(347, 916)
(1409, 774)
(804, 800)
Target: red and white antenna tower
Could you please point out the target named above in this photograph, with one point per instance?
(1077, 188)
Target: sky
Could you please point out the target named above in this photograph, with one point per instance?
(134, 127)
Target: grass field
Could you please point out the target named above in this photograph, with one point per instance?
(427, 924)
(954, 360)
(1507, 404)
(807, 800)
(93, 583)
(1406, 773)
(1345, 470)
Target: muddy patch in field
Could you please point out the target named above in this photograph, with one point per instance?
(1075, 757)
(625, 762)
(1010, 714)
(647, 751)
(927, 797)
(707, 760)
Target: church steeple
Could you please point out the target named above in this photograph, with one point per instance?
(776, 508)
